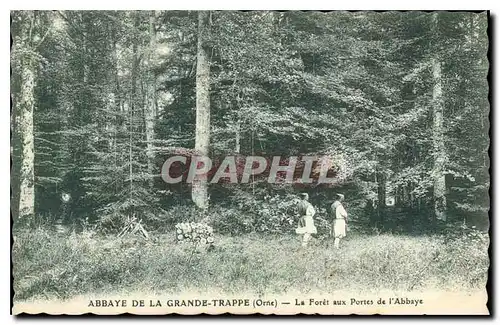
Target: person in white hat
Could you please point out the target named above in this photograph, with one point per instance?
(306, 222)
(339, 221)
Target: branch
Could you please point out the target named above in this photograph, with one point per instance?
(43, 38)
(137, 30)
(80, 32)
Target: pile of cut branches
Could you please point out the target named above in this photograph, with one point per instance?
(133, 227)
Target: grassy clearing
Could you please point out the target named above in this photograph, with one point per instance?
(48, 265)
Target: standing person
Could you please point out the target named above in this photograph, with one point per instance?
(339, 220)
(306, 222)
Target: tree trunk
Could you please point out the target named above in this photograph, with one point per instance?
(438, 141)
(369, 211)
(117, 105)
(438, 136)
(381, 180)
(25, 108)
(133, 105)
(15, 145)
(149, 111)
(202, 142)
(237, 147)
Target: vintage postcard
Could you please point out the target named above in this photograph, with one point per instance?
(243, 162)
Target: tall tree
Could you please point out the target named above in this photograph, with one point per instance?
(202, 140)
(150, 107)
(438, 131)
(25, 106)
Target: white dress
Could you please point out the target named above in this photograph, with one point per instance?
(309, 226)
(339, 225)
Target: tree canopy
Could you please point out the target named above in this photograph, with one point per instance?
(401, 96)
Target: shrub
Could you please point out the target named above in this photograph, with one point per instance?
(230, 220)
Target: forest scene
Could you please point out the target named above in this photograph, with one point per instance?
(101, 99)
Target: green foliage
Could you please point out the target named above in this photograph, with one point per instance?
(274, 214)
(282, 83)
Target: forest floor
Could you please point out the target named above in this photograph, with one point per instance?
(48, 265)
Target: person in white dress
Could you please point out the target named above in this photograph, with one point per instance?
(306, 222)
(339, 223)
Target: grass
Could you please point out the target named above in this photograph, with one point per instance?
(49, 265)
